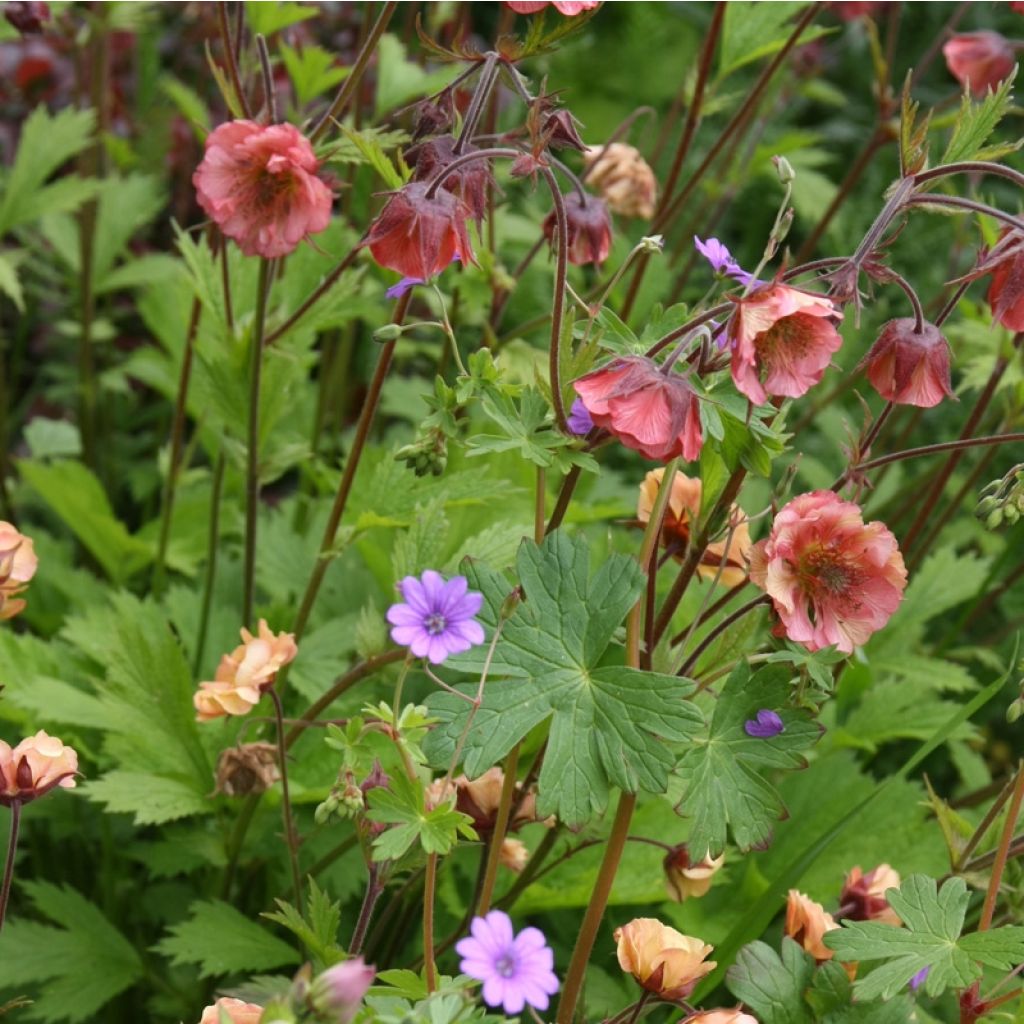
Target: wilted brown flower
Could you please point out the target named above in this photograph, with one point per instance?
(513, 855)
(624, 179)
(247, 768)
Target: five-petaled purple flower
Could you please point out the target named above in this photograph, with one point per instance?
(579, 421)
(764, 725)
(436, 619)
(517, 970)
(721, 260)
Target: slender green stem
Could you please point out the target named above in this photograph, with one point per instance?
(561, 271)
(979, 833)
(540, 506)
(212, 547)
(946, 446)
(230, 58)
(719, 629)
(252, 464)
(1012, 814)
(501, 820)
(314, 297)
(374, 888)
(12, 849)
(429, 887)
(960, 203)
(291, 839)
(348, 88)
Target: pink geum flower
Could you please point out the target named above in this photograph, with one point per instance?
(653, 412)
(419, 235)
(782, 340)
(979, 60)
(259, 184)
(338, 992)
(833, 579)
(18, 564)
(237, 1011)
(588, 227)
(910, 367)
(733, 1016)
(1006, 292)
(569, 8)
(244, 675)
(34, 767)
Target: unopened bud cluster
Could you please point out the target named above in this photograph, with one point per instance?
(1002, 501)
(428, 454)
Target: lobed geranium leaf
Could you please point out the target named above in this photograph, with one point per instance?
(772, 985)
(608, 722)
(933, 920)
(725, 791)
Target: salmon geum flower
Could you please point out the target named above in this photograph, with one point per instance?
(236, 1010)
(244, 675)
(259, 184)
(18, 564)
(833, 579)
(34, 767)
(782, 340)
(664, 961)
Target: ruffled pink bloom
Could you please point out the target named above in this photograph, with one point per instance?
(979, 60)
(244, 675)
(782, 340)
(238, 1012)
(910, 367)
(18, 563)
(34, 767)
(833, 579)
(654, 413)
(566, 7)
(259, 184)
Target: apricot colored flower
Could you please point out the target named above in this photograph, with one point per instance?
(238, 1012)
(910, 367)
(34, 767)
(653, 412)
(683, 509)
(863, 896)
(259, 184)
(782, 340)
(566, 7)
(661, 959)
(1006, 292)
(419, 235)
(832, 578)
(979, 60)
(734, 1016)
(807, 922)
(513, 855)
(623, 177)
(244, 675)
(688, 879)
(18, 564)
(588, 226)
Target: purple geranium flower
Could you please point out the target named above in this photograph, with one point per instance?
(919, 979)
(396, 291)
(517, 970)
(579, 421)
(722, 262)
(436, 619)
(764, 725)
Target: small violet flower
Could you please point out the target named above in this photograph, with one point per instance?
(396, 291)
(517, 970)
(437, 617)
(764, 725)
(579, 421)
(721, 260)
(919, 979)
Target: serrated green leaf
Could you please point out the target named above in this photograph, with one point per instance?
(220, 940)
(270, 18)
(755, 30)
(152, 799)
(318, 930)
(9, 283)
(773, 986)
(977, 121)
(373, 153)
(724, 788)
(609, 723)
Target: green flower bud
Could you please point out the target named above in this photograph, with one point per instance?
(995, 519)
(1015, 710)
(389, 332)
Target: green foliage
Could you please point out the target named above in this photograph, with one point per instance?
(372, 152)
(80, 965)
(976, 123)
(318, 929)
(220, 940)
(933, 919)
(270, 18)
(724, 788)
(755, 30)
(608, 722)
(312, 71)
(773, 986)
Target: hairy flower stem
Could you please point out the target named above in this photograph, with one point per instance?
(999, 865)
(946, 446)
(366, 417)
(489, 71)
(501, 821)
(252, 462)
(212, 547)
(291, 839)
(314, 296)
(864, 444)
(348, 87)
(429, 887)
(561, 273)
(960, 203)
(595, 908)
(12, 849)
(374, 888)
(231, 59)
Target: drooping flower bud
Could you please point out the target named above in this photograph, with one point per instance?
(469, 182)
(18, 564)
(624, 179)
(661, 959)
(27, 16)
(418, 235)
(560, 130)
(687, 879)
(338, 991)
(434, 115)
(863, 895)
(654, 413)
(34, 767)
(910, 367)
(807, 922)
(979, 60)
(1006, 292)
(588, 226)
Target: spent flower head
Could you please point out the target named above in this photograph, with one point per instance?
(436, 617)
(517, 970)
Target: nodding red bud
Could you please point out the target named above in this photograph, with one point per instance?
(910, 367)
(559, 129)
(434, 116)
(979, 60)
(588, 226)
(27, 18)
(1006, 292)
(418, 235)
(469, 182)
(525, 166)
